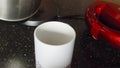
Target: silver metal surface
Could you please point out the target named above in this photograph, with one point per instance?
(17, 10)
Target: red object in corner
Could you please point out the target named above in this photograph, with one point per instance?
(103, 19)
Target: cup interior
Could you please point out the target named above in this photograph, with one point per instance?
(55, 33)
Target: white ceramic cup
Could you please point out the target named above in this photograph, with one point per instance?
(54, 44)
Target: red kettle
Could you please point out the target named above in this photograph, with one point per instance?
(103, 19)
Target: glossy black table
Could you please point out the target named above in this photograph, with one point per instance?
(17, 47)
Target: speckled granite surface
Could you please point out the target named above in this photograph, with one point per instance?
(17, 47)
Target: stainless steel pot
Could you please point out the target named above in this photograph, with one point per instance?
(17, 10)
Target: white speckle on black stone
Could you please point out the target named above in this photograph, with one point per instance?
(25, 46)
(91, 56)
(29, 60)
(1, 49)
(6, 44)
(10, 61)
(13, 55)
(4, 59)
(25, 55)
(118, 55)
(29, 46)
(13, 26)
(28, 65)
(11, 50)
(26, 50)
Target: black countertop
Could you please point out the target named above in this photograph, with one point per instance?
(17, 46)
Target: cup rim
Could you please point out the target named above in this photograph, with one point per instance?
(72, 39)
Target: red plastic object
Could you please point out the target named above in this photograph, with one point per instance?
(111, 15)
(103, 19)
